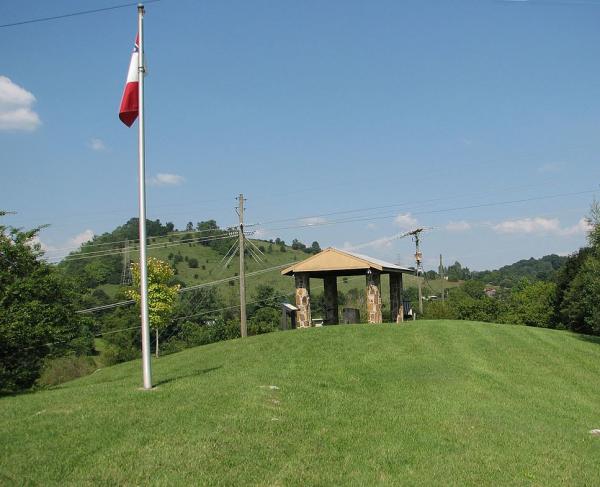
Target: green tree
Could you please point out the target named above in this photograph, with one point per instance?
(531, 304)
(37, 312)
(161, 295)
(265, 320)
(297, 245)
(577, 306)
(580, 307)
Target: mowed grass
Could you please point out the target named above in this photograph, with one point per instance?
(425, 403)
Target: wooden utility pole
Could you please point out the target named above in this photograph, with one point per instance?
(418, 258)
(441, 273)
(243, 325)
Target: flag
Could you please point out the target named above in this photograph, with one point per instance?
(130, 102)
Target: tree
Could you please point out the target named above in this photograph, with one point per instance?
(297, 245)
(193, 263)
(189, 227)
(456, 272)
(266, 297)
(530, 303)
(37, 312)
(315, 248)
(577, 306)
(265, 320)
(161, 295)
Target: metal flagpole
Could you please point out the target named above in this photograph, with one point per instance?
(146, 365)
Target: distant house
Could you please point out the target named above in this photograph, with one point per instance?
(490, 292)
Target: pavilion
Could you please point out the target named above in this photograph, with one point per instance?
(331, 263)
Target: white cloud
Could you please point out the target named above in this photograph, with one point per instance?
(371, 226)
(528, 225)
(82, 237)
(378, 243)
(165, 179)
(55, 253)
(405, 220)
(15, 107)
(460, 226)
(540, 225)
(550, 168)
(581, 227)
(97, 144)
(314, 220)
(36, 241)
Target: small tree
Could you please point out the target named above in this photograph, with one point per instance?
(161, 295)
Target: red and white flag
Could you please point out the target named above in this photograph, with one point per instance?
(130, 102)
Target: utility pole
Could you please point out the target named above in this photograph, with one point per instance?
(126, 272)
(419, 259)
(441, 273)
(243, 326)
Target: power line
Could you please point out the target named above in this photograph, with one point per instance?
(185, 289)
(443, 210)
(74, 14)
(405, 206)
(136, 240)
(281, 295)
(89, 255)
(549, 2)
(106, 253)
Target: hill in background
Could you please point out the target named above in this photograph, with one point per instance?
(542, 269)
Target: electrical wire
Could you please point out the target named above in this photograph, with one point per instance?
(134, 241)
(442, 210)
(404, 206)
(74, 14)
(185, 289)
(86, 255)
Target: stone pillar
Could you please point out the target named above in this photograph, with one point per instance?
(303, 319)
(331, 300)
(374, 296)
(397, 311)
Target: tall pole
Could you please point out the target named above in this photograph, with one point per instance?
(441, 272)
(419, 258)
(146, 365)
(243, 326)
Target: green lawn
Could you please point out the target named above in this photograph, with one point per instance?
(425, 403)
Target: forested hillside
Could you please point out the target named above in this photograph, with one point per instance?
(542, 269)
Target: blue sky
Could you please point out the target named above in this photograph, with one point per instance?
(310, 109)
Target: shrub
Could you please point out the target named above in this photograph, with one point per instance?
(63, 369)
(264, 320)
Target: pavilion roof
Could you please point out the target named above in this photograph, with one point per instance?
(337, 261)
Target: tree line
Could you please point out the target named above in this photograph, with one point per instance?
(552, 292)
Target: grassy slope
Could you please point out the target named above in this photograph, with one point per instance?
(214, 270)
(450, 403)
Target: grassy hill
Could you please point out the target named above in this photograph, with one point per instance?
(211, 267)
(452, 403)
